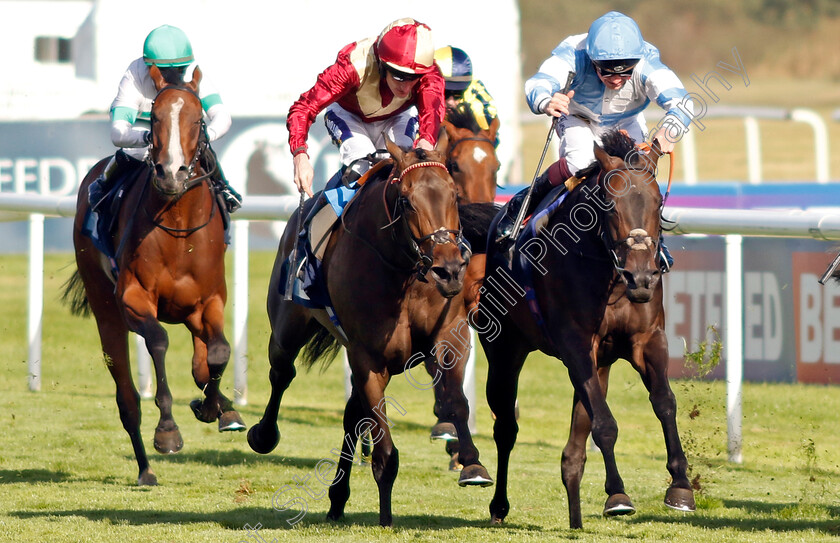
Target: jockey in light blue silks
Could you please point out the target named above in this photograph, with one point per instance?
(617, 74)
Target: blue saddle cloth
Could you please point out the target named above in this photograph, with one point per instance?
(100, 224)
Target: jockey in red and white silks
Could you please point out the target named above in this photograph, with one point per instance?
(617, 74)
(388, 85)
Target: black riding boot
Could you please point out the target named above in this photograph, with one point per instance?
(542, 186)
(210, 162)
(666, 261)
(101, 185)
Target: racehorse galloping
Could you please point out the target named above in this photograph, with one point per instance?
(394, 270)
(597, 297)
(170, 246)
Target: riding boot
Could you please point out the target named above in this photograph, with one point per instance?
(233, 200)
(542, 186)
(100, 186)
(666, 261)
(210, 162)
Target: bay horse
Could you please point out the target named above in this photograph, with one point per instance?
(594, 296)
(394, 270)
(170, 241)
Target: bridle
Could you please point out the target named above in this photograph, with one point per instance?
(455, 143)
(611, 245)
(193, 180)
(202, 144)
(421, 259)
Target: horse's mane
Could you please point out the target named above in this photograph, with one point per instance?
(615, 143)
(462, 116)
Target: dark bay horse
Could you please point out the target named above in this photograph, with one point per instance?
(594, 296)
(394, 269)
(170, 260)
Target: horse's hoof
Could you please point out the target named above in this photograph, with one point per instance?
(260, 443)
(445, 431)
(618, 504)
(496, 521)
(335, 516)
(230, 421)
(681, 499)
(147, 478)
(454, 464)
(475, 475)
(168, 441)
(197, 407)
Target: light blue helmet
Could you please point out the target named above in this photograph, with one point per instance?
(614, 36)
(167, 46)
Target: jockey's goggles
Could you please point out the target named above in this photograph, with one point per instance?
(402, 76)
(454, 94)
(611, 68)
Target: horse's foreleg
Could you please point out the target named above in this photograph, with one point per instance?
(504, 366)
(115, 348)
(211, 353)
(574, 453)
(340, 487)
(680, 494)
(454, 407)
(289, 334)
(167, 436)
(604, 427)
(385, 460)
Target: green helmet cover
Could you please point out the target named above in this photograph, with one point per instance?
(167, 46)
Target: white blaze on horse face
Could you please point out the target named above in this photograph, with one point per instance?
(479, 154)
(639, 240)
(176, 153)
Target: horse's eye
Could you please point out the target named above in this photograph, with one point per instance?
(453, 167)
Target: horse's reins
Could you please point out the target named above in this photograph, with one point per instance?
(191, 168)
(422, 261)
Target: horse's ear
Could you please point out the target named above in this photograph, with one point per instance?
(607, 161)
(494, 128)
(655, 151)
(157, 77)
(442, 144)
(196, 79)
(394, 149)
(447, 128)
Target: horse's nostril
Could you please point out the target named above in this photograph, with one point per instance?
(441, 273)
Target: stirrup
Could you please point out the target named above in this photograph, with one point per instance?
(232, 200)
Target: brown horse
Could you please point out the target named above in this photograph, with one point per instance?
(594, 296)
(170, 243)
(394, 270)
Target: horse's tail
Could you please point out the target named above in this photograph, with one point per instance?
(75, 296)
(475, 223)
(321, 346)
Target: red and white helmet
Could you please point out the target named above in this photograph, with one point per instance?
(406, 46)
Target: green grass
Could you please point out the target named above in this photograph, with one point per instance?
(67, 473)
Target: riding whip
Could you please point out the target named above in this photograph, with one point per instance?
(517, 225)
(290, 280)
(830, 270)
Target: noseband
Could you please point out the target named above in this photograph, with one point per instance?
(423, 260)
(199, 148)
(637, 239)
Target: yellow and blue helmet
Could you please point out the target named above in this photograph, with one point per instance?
(456, 67)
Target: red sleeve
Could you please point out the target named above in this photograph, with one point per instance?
(430, 105)
(333, 83)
